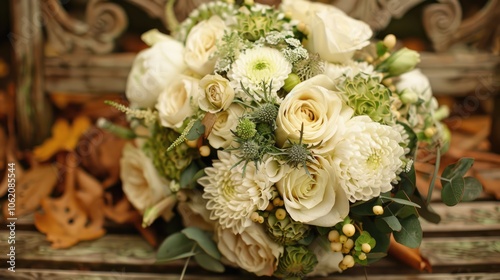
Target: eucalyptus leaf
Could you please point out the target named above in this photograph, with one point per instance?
(458, 169)
(452, 191)
(364, 208)
(188, 176)
(203, 241)
(425, 211)
(400, 201)
(408, 180)
(174, 247)
(410, 234)
(473, 189)
(392, 222)
(208, 262)
(382, 240)
(196, 131)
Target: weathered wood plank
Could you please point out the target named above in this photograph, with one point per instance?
(132, 253)
(39, 274)
(467, 217)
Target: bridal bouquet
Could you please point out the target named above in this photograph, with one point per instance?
(283, 140)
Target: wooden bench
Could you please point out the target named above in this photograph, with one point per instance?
(466, 245)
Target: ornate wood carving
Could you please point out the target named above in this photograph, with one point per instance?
(104, 22)
(444, 25)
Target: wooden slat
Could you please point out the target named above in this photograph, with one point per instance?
(132, 253)
(37, 274)
(467, 217)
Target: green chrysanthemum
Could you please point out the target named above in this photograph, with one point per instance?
(286, 231)
(169, 164)
(296, 263)
(367, 96)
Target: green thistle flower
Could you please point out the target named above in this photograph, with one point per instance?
(286, 231)
(267, 113)
(169, 164)
(250, 150)
(296, 263)
(367, 96)
(245, 129)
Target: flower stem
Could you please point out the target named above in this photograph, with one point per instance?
(187, 262)
(434, 175)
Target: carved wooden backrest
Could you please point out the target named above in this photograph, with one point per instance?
(79, 50)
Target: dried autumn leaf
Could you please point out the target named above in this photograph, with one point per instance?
(409, 256)
(64, 138)
(60, 132)
(90, 193)
(36, 184)
(99, 151)
(66, 220)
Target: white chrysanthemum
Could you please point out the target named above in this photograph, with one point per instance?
(368, 158)
(232, 197)
(259, 65)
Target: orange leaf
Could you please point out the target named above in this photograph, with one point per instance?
(68, 219)
(409, 256)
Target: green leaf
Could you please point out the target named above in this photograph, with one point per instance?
(364, 208)
(400, 210)
(176, 246)
(412, 140)
(408, 181)
(392, 222)
(189, 176)
(196, 130)
(400, 201)
(453, 191)
(382, 240)
(203, 240)
(458, 169)
(208, 262)
(410, 234)
(473, 189)
(425, 211)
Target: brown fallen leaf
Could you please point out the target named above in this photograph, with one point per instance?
(409, 256)
(36, 184)
(100, 152)
(123, 212)
(65, 220)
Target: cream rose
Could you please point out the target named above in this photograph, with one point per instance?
(313, 104)
(178, 101)
(332, 34)
(217, 94)
(221, 135)
(315, 199)
(141, 182)
(251, 250)
(201, 43)
(153, 69)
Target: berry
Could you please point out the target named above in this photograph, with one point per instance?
(349, 230)
(378, 210)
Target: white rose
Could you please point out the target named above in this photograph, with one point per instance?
(153, 69)
(201, 43)
(320, 110)
(178, 101)
(217, 94)
(273, 169)
(350, 69)
(141, 182)
(221, 135)
(332, 34)
(251, 250)
(315, 198)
